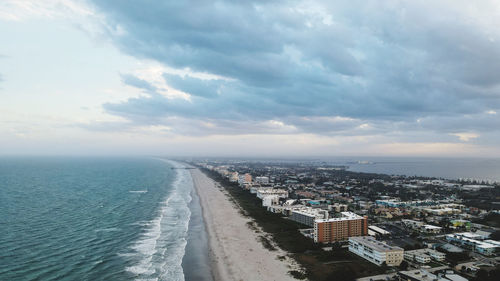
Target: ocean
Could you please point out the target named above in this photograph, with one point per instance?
(487, 169)
(99, 219)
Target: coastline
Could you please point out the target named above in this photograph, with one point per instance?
(196, 261)
(234, 249)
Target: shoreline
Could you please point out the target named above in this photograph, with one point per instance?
(235, 251)
(196, 263)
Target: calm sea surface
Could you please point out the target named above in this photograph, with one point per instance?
(451, 168)
(95, 219)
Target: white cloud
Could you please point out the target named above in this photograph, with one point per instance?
(466, 136)
(18, 10)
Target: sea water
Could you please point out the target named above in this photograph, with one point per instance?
(98, 219)
(480, 169)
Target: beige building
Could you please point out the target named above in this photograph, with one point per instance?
(375, 251)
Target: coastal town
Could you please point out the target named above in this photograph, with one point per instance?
(368, 226)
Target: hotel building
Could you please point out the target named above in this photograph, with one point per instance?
(339, 229)
(375, 251)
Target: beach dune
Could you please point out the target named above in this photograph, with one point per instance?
(235, 251)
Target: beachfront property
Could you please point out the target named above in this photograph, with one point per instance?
(308, 215)
(340, 229)
(270, 196)
(270, 200)
(234, 177)
(245, 179)
(375, 251)
(262, 180)
(424, 255)
(263, 192)
(470, 240)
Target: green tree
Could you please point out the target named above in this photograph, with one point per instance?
(403, 265)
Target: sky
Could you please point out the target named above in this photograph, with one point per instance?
(250, 78)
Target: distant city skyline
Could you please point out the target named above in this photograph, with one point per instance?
(251, 78)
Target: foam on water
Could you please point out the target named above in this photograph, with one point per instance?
(157, 255)
(77, 219)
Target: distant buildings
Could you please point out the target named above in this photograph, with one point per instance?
(338, 207)
(471, 240)
(248, 178)
(375, 251)
(461, 223)
(262, 180)
(339, 229)
(395, 203)
(319, 194)
(421, 226)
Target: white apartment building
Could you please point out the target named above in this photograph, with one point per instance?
(261, 193)
(375, 251)
(424, 255)
(467, 239)
(308, 215)
(270, 200)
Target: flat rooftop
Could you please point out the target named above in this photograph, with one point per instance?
(345, 216)
(375, 244)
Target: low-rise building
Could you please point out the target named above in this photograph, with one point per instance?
(412, 223)
(461, 223)
(261, 193)
(375, 251)
(467, 239)
(424, 255)
(377, 230)
(424, 275)
(428, 228)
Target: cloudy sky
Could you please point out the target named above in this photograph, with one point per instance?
(250, 78)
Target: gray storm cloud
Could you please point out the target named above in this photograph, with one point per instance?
(315, 67)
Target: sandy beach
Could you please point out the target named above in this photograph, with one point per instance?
(235, 251)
